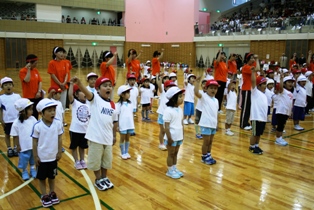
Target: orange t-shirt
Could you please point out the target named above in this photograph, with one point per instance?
(30, 88)
(136, 67)
(108, 72)
(69, 67)
(232, 65)
(155, 66)
(291, 62)
(221, 71)
(246, 76)
(59, 69)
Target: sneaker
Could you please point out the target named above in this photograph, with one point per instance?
(62, 149)
(247, 128)
(280, 141)
(185, 122)
(156, 97)
(199, 136)
(67, 109)
(210, 161)
(124, 157)
(173, 174)
(100, 185)
(259, 149)
(10, 152)
(307, 114)
(65, 124)
(143, 119)
(33, 172)
(229, 133)
(148, 119)
(162, 147)
(25, 175)
(128, 156)
(179, 172)
(151, 112)
(220, 112)
(273, 130)
(133, 134)
(107, 182)
(255, 150)
(46, 201)
(284, 131)
(298, 128)
(15, 152)
(190, 121)
(78, 165)
(54, 198)
(83, 164)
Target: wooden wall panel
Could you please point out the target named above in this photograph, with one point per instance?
(311, 45)
(43, 49)
(2, 57)
(273, 48)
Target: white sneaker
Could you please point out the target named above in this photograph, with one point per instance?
(298, 128)
(185, 122)
(162, 147)
(190, 121)
(128, 156)
(280, 141)
(247, 128)
(124, 157)
(229, 133)
(220, 112)
(284, 131)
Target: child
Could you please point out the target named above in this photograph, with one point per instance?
(189, 100)
(198, 111)
(231, 107)
(172, 118)
(173, 77)
(79, 123)
(8, 113)
(134, 93)
(91, 79)
(47, 149)
(309, 92)
(124, 110)
(162, 106)
(101, 130)
(153, 92)
(269, 93)
(21, 130)
(145, 93)
(209, 74)
(259, 108)
(147, 68)
(299, 96)
(54, 93)
(283, 107)
(209, 118)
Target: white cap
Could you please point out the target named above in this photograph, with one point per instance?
(308, 73)
(301, 78)
(304, 64)
(191, 75)
(22, 104)
(287, 78)
(172, 75)
(91, 74)
(284, 70)
(148, 61)
(153, 77)
(6, 79)
(123, 88)
(45, 103)
(270, 81)
(172, 91)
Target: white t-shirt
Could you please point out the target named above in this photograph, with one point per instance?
(269, 95)
(90, 89)
(284, 102)
(47, 136)
(309, 88)
(133, 96)
(7, 106)
(226, 88)
(231, 100)
(299, 95)
(277, 77)
(208, 77)
(24, 131)
(189, 93)
(59, 110)
(125, 116)
(209, 111)
(239, 76)
(162, 102)
(174, 116)
(199, 102)
(259, 105)
(145, 70)
(275, 100)
(80, 117)
(152, 88)
(100, 127)
(146, 94)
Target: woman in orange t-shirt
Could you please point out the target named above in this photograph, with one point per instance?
(133, 64)
(292, 61)
(31, 82)
(232, 65)
(156, 62)
(221, 72)
(57, 68)
(107, 70)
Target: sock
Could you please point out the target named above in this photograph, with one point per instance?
(174, 167)
(256, 145)
(197, 129)
(169, 168)
(208, 153)
(147, 111)
(127, 144)
(143, 114)
(122, 148)
(9, 147)
(252, 146)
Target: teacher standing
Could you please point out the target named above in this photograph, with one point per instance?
(221, 72)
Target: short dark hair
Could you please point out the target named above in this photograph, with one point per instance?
(107, 54)
(156, 53)
(173, 101)
(31, 58)
(132, 51)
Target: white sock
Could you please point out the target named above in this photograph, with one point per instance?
(170, 168)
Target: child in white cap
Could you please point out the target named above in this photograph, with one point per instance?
(91, 80)
(309, 92)
(189, 100)
(8, 113)
(21, 131)
(299, 105)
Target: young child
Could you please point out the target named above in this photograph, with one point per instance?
(189, 100)
(91, 80)
(198, 111)
(269, 93)
(209, 118)
(299, 96)
(173, 77)
(209, 74)
(101, 130)
(231, 107)
(79, 123)
(172, 118)
(134, 93)
(124, 110)
(21, 131)
(259, 108)
(309, 92)
(145, 93)
(54, 93)
(153, 90)
(47, 149)
(8, 113)
(283, 106)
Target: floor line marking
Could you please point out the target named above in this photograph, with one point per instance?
(17, 188)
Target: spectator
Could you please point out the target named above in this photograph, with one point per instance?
(68, 20)
(74, 20)
(13, 17)
(62, 19)
(28, 18)
(83, 21)
(23, 17)
(94, 21)
(302, 60)
(34, 18)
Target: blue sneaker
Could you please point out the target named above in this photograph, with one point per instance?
(25, 175)
(62, 149)
(208, 160)
(173, 174)
(199, 136)
(179, 172)
(33, 172)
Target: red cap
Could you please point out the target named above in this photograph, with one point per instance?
(148, 69)
(209, 70)
(230, 72)
(131, 76)
(75, 88)
(169, 83)
(277, 86)
(260, 80)
(211, 82)
(303, 70)
(101, 80)
(269, 71)
(145, 78)
(55, 88)
(296, 71)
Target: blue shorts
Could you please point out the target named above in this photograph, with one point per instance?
(134, 110)
(127, 131)
(208, 131)
(160, 119)
(298, 113)
(25, 158)
(188, 108)
(175, 143)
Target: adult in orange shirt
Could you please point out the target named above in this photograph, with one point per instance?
(69, 68)
(221, 72)
(232, 65)
(251, 61)
(57, 68)
(156, 62)
(31, 82)
(133, 64)
(107, 70)
(292, 60)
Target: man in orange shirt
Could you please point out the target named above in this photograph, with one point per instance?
(69, 68)
(156, 62)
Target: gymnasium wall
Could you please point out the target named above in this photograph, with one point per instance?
(273, 48)
(2, 57)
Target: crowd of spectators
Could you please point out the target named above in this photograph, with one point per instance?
(94, 21)
(27, 17)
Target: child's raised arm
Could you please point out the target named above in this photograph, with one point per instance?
(253, 77)
(89, 95)
(70, 93)
(197, 87)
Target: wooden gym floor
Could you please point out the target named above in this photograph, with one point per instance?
(281, 178)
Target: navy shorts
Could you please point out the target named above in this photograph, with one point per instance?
(257, 127)
(298, 113)
(47, 170)
(274, 117)
(78, 140)
(7, 128)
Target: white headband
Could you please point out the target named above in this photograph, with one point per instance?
(55, 49)
(107, 54)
